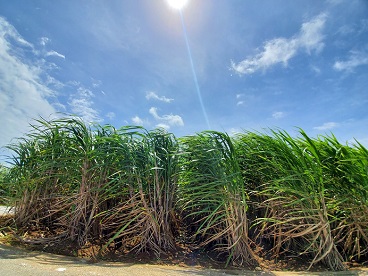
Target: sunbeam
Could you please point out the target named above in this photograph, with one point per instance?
(194, 71)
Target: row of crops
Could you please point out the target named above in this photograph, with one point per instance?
(249, 196)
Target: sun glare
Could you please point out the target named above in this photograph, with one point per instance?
(177, 4)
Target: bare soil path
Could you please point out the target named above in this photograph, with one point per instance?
(16, 261)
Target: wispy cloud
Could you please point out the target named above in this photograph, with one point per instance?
(234, 131)
(278, 115)
(44, 40)
(169, 120)
(327, 126)
(354, 60)
(164, 126)
(27, 89)
(81, 104)
(8, 31)
(345, 30)
(111, 115)
(246, 99)
(24, 93)
(96, 83)
(137, 121)
(315, 69)
(152, 95)
(54, 54)
(239, 100)
(281, 50)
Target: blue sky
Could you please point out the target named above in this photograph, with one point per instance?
(226, 65)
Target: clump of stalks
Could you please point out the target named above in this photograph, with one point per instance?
(140, 190)
(213, 197)
(306, 191)
(138, 202)
(101, 183)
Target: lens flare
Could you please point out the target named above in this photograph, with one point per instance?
(194, 71)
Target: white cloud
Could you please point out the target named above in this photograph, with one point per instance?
(345, 30)
(44, 40)
(171, 120)
(137, 121)
(234, 131)
(355, 59)
(281, 50)
(54, 54)
(327, 126)
(316, 69)
(153, 95)
(23, 92)
(278, 115)
(7, 30)
(247, 99)
(27, 88)
(310, 36)
(110, 115)
(81, 104)
(153, 112)
(52, 82)
(96, 83)
(239, 99)
(164, 126)
(60, 107)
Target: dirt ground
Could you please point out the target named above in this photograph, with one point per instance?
(19, 259)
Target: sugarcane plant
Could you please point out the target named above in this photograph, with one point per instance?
(97, 183)
(247, 197)
(138, 204)
(305, 192)
(212, 196)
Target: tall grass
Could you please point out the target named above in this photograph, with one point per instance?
(137, 191)
(139, 198)
(306, 193)
(213, 197)
(97, 184)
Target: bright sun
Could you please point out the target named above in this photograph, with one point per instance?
(177, 4)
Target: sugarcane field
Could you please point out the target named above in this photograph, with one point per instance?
(254, 200)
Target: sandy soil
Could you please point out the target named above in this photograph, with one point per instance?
(5, 210)
(15, 261)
